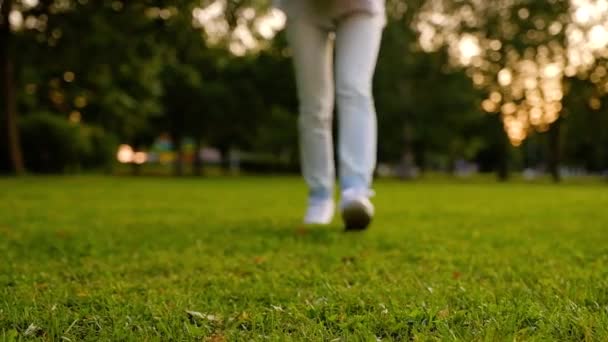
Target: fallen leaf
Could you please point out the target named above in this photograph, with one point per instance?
(259, 260)
(195, 314)
(443, 313)
(216, 338)
(41, 286)
(456, 275)
(302, 231)
(62, 234)
(33, 330)
(348, 259)
(203, 316)
(5, 229)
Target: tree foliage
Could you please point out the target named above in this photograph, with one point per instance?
(449, 75)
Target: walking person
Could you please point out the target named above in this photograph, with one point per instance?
(335, 46)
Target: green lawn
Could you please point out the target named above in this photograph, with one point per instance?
(92, 258)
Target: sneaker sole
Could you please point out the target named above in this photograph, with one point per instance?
(356, 217)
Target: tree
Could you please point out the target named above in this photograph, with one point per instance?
(419, 126)
(515, 51)
(8, 89)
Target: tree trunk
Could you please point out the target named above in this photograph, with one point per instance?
(178, 170)
(503, 158)
(135, 169)
(407, 166)
(8, 91)
(177, 136)
(225, 162)
(197, 162)
(555, 151)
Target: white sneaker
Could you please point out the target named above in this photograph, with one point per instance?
(357, 210)
(319, 212)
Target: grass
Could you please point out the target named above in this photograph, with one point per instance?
(93, 258)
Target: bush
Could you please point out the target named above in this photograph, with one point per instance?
(51, 144)
(102, 149)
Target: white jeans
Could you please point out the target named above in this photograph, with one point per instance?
(357, 41)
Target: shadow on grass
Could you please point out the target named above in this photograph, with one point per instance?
(284, 233)
(254, 236)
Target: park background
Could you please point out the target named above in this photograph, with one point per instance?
(104, 101)
(461, 86)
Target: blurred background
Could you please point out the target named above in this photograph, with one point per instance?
(206, 87)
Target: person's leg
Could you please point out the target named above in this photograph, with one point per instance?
(357, 44)
(312, 56)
